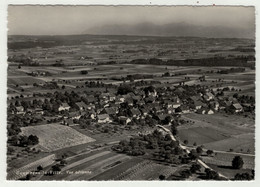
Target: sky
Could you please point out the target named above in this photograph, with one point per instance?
(132, 20)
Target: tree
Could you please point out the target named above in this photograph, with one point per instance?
(185, 142)
(33, 140)
(186, 173)
(56, 168)
(162, 177)
(84, 72)
(39, 168)
(124, 89)
(199, 150)
(209, 152)
(28, 176)
(211, 174)
(174, 130)
(243, 176)
(237, 162)
(194, 168)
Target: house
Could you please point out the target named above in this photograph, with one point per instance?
(201, 111)
(176, 99)
(74, 115)
(91, 114)
(104, 96)
(110, 111)
(91, 99)
(144, 111)
(236, 107)
(183, 109)
(135, 112)
(19, 110)
(112, 97)
(170, 110)
(124, 120)
(208, 96)
(179, 90)
(136, 98)
(214, 105)
(209, 111)
(198, 105)
(149, 99)
(63, 107)
(232, 100)
(141, 102)
(129, 101)
(91, 106)
(39, 111)
(103, 118)
(67, 122)
(195, 98)
(168, 103)
(81, 106)
(163, 118)
(176, 105)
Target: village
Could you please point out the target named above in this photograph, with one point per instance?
(69, 111)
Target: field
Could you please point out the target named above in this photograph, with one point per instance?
(107, 63)
(53, 136)
(219, 132)
(201, 135)
(22, 172)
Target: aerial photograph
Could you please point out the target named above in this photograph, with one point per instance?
(130, 93)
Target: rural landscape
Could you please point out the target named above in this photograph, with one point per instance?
(126, 107)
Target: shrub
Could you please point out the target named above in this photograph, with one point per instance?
(237, 162)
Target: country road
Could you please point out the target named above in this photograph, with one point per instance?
(188, 151)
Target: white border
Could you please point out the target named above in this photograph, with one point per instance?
(3, 95)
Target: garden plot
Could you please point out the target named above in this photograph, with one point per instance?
(53, 136)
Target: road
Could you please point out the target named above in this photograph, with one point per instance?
(188, 151)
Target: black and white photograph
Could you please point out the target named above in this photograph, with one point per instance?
(130, 93)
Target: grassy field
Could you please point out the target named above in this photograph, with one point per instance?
(225, 159)
(201, 135)
(54, 136)
(239, 143)
(219, 132)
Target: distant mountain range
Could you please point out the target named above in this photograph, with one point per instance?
(173, 29)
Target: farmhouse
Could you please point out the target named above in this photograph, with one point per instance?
(39, 111)
(135, 112)
(214, 105)
(208, 96)
(198, 105)
(19, 110)
(103, 118)
(81, 106)
(236, 107)
(179, 90)
(110, 111)
(201, 111)
(124, 120)
(63, 107)
(183, 109)
(209, 111)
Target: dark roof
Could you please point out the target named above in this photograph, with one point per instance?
(135, 111)
(111, 110)
(103, 116)
(81, 104)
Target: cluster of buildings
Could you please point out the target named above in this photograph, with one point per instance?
(160, 104)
